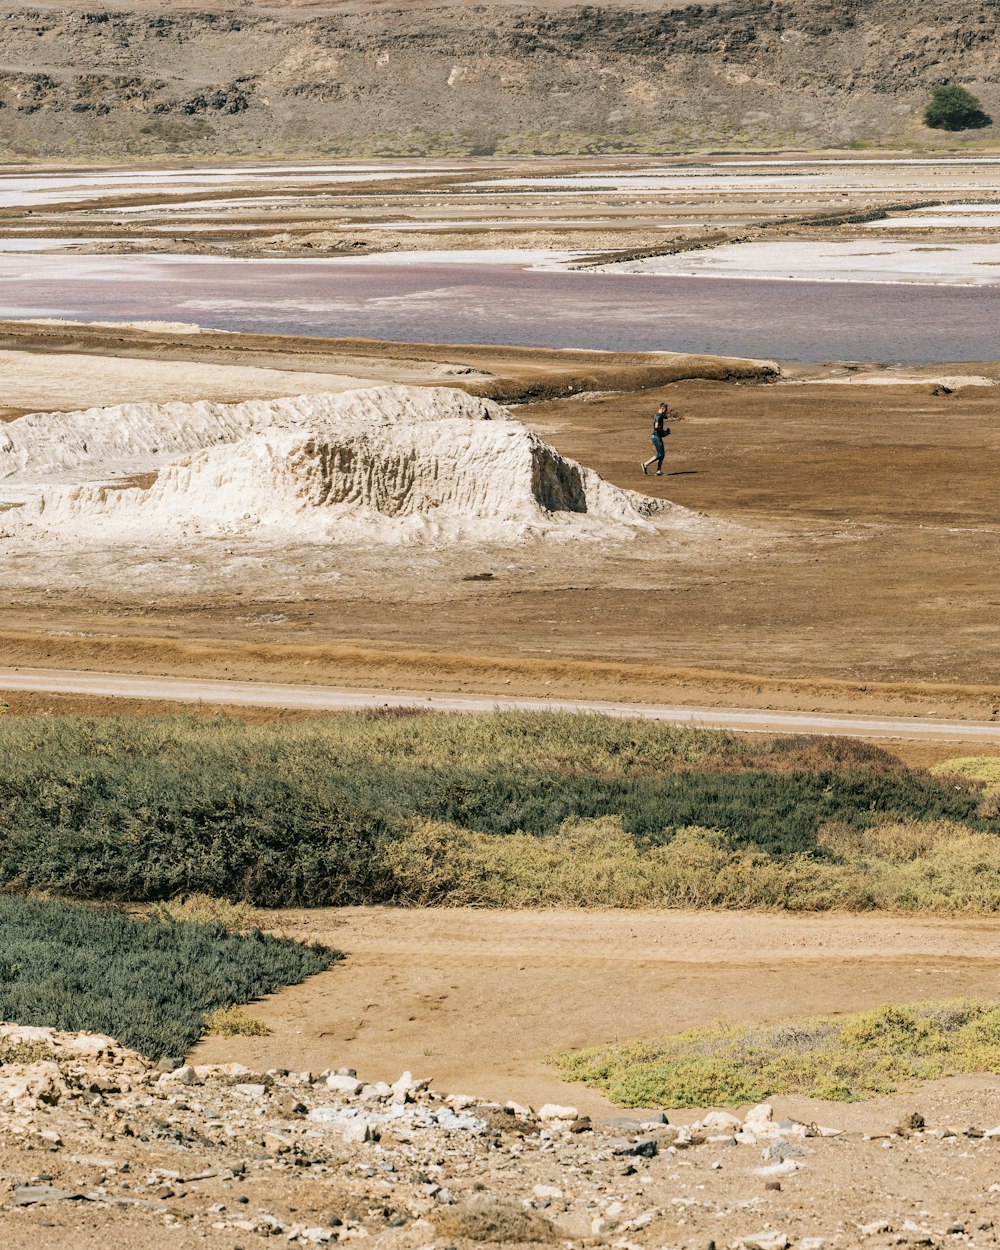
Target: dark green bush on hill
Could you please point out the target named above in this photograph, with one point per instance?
(954, 108)
(148, 983)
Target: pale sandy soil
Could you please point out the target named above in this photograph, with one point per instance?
(479, 999)
(30, 382)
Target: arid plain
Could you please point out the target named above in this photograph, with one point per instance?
(837, 552)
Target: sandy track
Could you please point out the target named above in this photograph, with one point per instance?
(479, 998)
(329, 699)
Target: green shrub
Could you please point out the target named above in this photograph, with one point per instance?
(148, 983)
(954, 108)
(839, 1057)
(336, 811)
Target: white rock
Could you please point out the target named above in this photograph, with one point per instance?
(763, 1113)
(461, 1101)
(553, 1111)
(765, 1241)
(875, 1228)
(779, 1169)
(185, 1075)
(31, 1084)
(26, 1033)
(349, 1085)
(721, 1120)
(546, 1191)
(88, 1044)
(250, 1089)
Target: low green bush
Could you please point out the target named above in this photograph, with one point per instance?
(149, 983)
(330, 811)
(838, 1057)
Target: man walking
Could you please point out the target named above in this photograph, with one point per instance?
(660, 431)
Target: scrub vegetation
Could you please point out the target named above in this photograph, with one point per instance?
(493, 810)
(846, 1057)
(954, 108)
(149, 983)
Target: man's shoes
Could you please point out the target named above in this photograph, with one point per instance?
(642, 465)
(659, 473)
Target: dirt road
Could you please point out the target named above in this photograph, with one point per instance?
(329, 699)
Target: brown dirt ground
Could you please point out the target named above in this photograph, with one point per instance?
(873, 584)
(478, 999)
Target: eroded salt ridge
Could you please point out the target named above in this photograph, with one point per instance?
(134, 438)
(386, 464)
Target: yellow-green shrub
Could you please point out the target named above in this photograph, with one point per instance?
(234, 1022)
(203, 909)
(839, 1057)
(936, 866)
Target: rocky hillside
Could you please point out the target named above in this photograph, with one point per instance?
(99, 82)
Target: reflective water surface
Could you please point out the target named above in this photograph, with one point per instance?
(464, 303)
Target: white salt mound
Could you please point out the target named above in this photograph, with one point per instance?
(389, 464)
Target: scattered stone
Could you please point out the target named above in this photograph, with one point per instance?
(253, 1090)
(721, 1121)
(411, 1166)
(765, 1241)
(780, 1150)
(546, 1191)
(184, 1075)
(874, 1229)
(30, 1195)
(344, 1084)
(759, 1117)
(552, 1111)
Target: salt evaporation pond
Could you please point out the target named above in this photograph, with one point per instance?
(504, 304)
